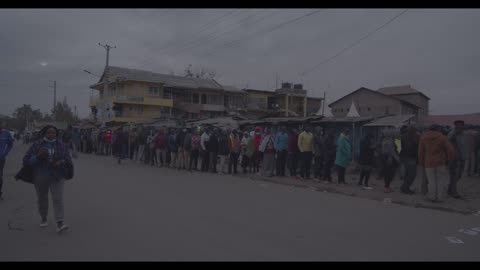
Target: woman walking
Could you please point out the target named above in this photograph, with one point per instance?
(49, 158)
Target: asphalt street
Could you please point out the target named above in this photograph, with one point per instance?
(136, 212)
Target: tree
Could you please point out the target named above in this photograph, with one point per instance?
(23, 115)
(63, 113)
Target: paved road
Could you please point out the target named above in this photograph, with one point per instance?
(133, 212)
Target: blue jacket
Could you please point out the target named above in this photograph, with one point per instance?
(281, 141)
(172, 143)
(58, 152)
(344, 152)
(6, 143)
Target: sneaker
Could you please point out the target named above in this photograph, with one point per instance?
(367, 187)
(61, 227)
(43, 224)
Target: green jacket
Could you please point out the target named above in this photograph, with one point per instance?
(344, 152)
(250, 147)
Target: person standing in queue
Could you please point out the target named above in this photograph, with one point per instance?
(172, 148)
(293, 153)
(281, 146)
(305, 146)
(318, 152)
(343, 155)
(234, 148)
(213, 150)
(187, 148)
(204, 141)
(195, 150)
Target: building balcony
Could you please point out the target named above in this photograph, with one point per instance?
(138, 100)
(196, 108)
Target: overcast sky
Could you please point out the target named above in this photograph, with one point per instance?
(437, 51)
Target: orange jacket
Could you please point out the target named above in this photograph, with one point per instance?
(434, 150)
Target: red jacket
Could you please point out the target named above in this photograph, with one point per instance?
(160, 141)
(107, 137)
(293, 143)
(257, 140)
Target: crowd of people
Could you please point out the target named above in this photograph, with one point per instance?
(270, 151)
(441, 154)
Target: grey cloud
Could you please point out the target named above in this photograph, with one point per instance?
(434, 50)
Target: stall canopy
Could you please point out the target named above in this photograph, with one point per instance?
(395, 121)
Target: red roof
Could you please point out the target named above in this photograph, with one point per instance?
(447, 120)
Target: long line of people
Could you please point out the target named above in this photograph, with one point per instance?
(221, 151)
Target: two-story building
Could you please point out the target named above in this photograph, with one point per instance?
(289, 100)
(409, 94)
(373, 104)
(138, 95)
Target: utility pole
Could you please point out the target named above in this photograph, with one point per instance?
(276, 80)
(105, 74)
(324, 100)
(54, 99)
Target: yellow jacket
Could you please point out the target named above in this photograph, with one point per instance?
(305, 142)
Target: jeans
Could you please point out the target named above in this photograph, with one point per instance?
(173, 159)
(223, 163)
(281, 161)
(233, 162)
(456, 168)
(205, 160)
(139, 154)
(123, 152)
(268, 164)
(389, 172)
(44, 183)
(213, 161)
(306, 164)
(340, 174)
(194, 159)
(318, 169)
(245, 161)
(161, 156)
(180, 158)
(410, 170)
(2, 165)
(255, 162)
(293, 163)
(437, 183)
(327, 173)
(187, 157)
(365, 174)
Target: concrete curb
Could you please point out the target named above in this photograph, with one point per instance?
(334, 190)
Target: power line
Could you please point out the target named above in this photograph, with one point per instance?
(353, 44)
(214, 37)
(271, 29)
(206, 27)
(172, 44)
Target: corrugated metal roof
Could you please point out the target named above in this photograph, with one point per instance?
(391, 121)
(400, 90)
(333, 119)
(168, 80)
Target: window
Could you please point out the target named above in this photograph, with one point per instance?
(154, 91)
(195, 98)
(167, 93)
(204, 99)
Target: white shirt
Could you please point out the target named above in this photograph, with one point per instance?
(204, 138)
